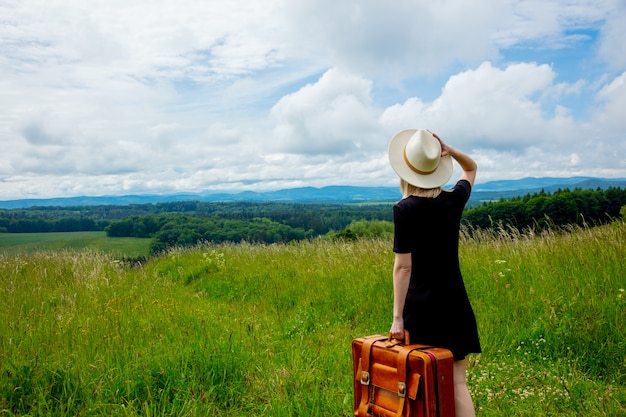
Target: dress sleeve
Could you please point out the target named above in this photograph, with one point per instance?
(463, 188)
(401, 238)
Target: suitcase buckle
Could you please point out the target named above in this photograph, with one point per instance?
(365, 378)
(401, 389)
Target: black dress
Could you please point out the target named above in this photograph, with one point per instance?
(437, 310)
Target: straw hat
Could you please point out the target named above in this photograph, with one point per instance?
(415, 155)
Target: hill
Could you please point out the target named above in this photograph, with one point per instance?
(265, 330)
(507, 189)
(493, 190)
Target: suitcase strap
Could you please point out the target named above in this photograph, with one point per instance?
(403, 356)
(366, 351)
(402, 363)
(402, 366)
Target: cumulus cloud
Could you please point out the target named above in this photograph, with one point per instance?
(489, 107)
(609, 115)
(506, 117)
(40, 132)
(333, 115)
(612, 46)
(398, 41)
(155, 96)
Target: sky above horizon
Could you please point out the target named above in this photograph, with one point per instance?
(156, 97)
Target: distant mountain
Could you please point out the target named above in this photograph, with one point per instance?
(495, 190)
(330, 194)
(488, 191)
(544, 182)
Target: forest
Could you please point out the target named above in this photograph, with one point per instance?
(563, 207)
(187, 223)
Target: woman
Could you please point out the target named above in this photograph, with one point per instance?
(430, 300)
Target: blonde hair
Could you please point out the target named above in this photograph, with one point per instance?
(409, 189)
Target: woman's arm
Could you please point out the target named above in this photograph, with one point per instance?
(401, 279)
(468, 165)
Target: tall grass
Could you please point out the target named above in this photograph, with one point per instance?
(265, 330)
(552, 310)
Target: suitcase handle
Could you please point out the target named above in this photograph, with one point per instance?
(392, 341)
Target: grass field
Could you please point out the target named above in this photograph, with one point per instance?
(265, 330)
(117, 246)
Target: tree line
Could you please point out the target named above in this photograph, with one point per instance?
(541, 210)
(144, 220)
(186, 223)
(167, 230)
(30, 224)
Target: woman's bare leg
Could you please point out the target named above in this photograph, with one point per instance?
(462, 398)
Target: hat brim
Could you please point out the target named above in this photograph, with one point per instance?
(439, 177)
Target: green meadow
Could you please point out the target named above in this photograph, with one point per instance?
(265, 330)
(117, 246)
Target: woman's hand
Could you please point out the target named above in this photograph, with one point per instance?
(445, 149)
(397, 329)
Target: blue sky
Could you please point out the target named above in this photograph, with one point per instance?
(112, 97)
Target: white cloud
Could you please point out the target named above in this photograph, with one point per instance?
(613, 37)
(334, 115)
(609, 116)
(490, 108)
(103, 97)
(406, 39)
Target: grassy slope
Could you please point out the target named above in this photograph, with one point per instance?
(266, 330)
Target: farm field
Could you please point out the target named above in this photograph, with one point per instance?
(265, 330)
(116, 246)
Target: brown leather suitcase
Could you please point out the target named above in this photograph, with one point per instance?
(393, 379)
